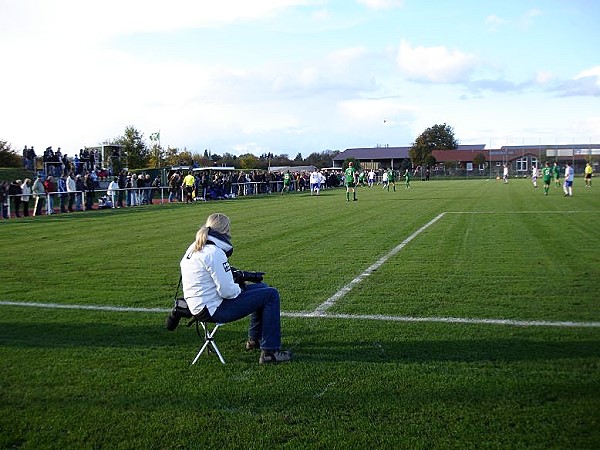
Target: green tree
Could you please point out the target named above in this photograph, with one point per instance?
(185, 158)
(299, 158)
(9, 157)
(157, 155)
(171, 156)
(437, 137)
(323, 159)
(248, 161)
(136, 152)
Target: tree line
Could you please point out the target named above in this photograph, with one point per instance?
(138, 154)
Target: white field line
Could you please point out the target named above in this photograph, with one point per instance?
(307, 315)
(459, 320)
(372, 268)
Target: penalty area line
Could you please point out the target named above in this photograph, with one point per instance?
(372, 268)
(310, 315)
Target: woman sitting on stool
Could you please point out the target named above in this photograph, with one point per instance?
(212, 295)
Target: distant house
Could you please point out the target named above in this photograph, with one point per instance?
(520, 159)
(387, 157)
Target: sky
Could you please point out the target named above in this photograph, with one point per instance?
(298, 76)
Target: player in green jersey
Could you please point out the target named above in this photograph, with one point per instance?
(350, 181)
(391, 180)
(407, 178)
(547, 177)
(287, 177)
(556, 173)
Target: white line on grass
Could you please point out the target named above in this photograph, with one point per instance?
(376, 265)
(520, 323)
(84, 307)
(307, 315)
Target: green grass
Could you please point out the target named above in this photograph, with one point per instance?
(101, 379)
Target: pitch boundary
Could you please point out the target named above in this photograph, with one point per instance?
(324, 315)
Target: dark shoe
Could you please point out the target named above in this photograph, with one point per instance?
(268, 357)
(252, 344)
(172, 321)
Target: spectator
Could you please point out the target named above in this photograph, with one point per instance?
(50, 188)
(62, 193)
(90, 191)
(39, 193)
(4, 198)
(113, 188)
(71, 188)
(122, 187)
(14, 192)
(155, 187)
(141, 183)
(80, 187)
(134, 190)
(174, 182)
(25, 196)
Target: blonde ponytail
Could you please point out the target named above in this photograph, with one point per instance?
(218, 222)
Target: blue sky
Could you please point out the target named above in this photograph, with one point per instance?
(298, 76)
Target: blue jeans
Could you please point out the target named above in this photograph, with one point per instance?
(262, 303)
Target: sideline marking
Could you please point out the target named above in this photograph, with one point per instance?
(308, 315)
(369, 270)
(461, 320)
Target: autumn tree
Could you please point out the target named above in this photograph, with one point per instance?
(8, 156)
(437, 137)
(134, 148)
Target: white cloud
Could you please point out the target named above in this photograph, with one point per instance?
(592, 72)
(436, 64)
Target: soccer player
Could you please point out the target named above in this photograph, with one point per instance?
(350, 181)
(505, 173)
(556, 172)
(569, 176)
(546, 177)
(361, 178)
(588, 175)
(407, 178)
(534, 175)
(385, 180)
(391, 180)
(371, 177)
(286, 182)
(315, 182)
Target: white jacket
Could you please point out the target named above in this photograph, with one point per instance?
(206, 277)
(113, 187)
(71, 186)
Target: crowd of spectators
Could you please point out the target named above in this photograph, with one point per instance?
(218, 184)
(74, 184)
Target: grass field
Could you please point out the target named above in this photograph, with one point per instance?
(456, 314)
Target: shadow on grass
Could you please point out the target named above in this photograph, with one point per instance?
(65, 335)
(481, 350)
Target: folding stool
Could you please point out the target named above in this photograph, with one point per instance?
(207, 336)
(209, 339)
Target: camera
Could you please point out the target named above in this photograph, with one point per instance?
(241, 276)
